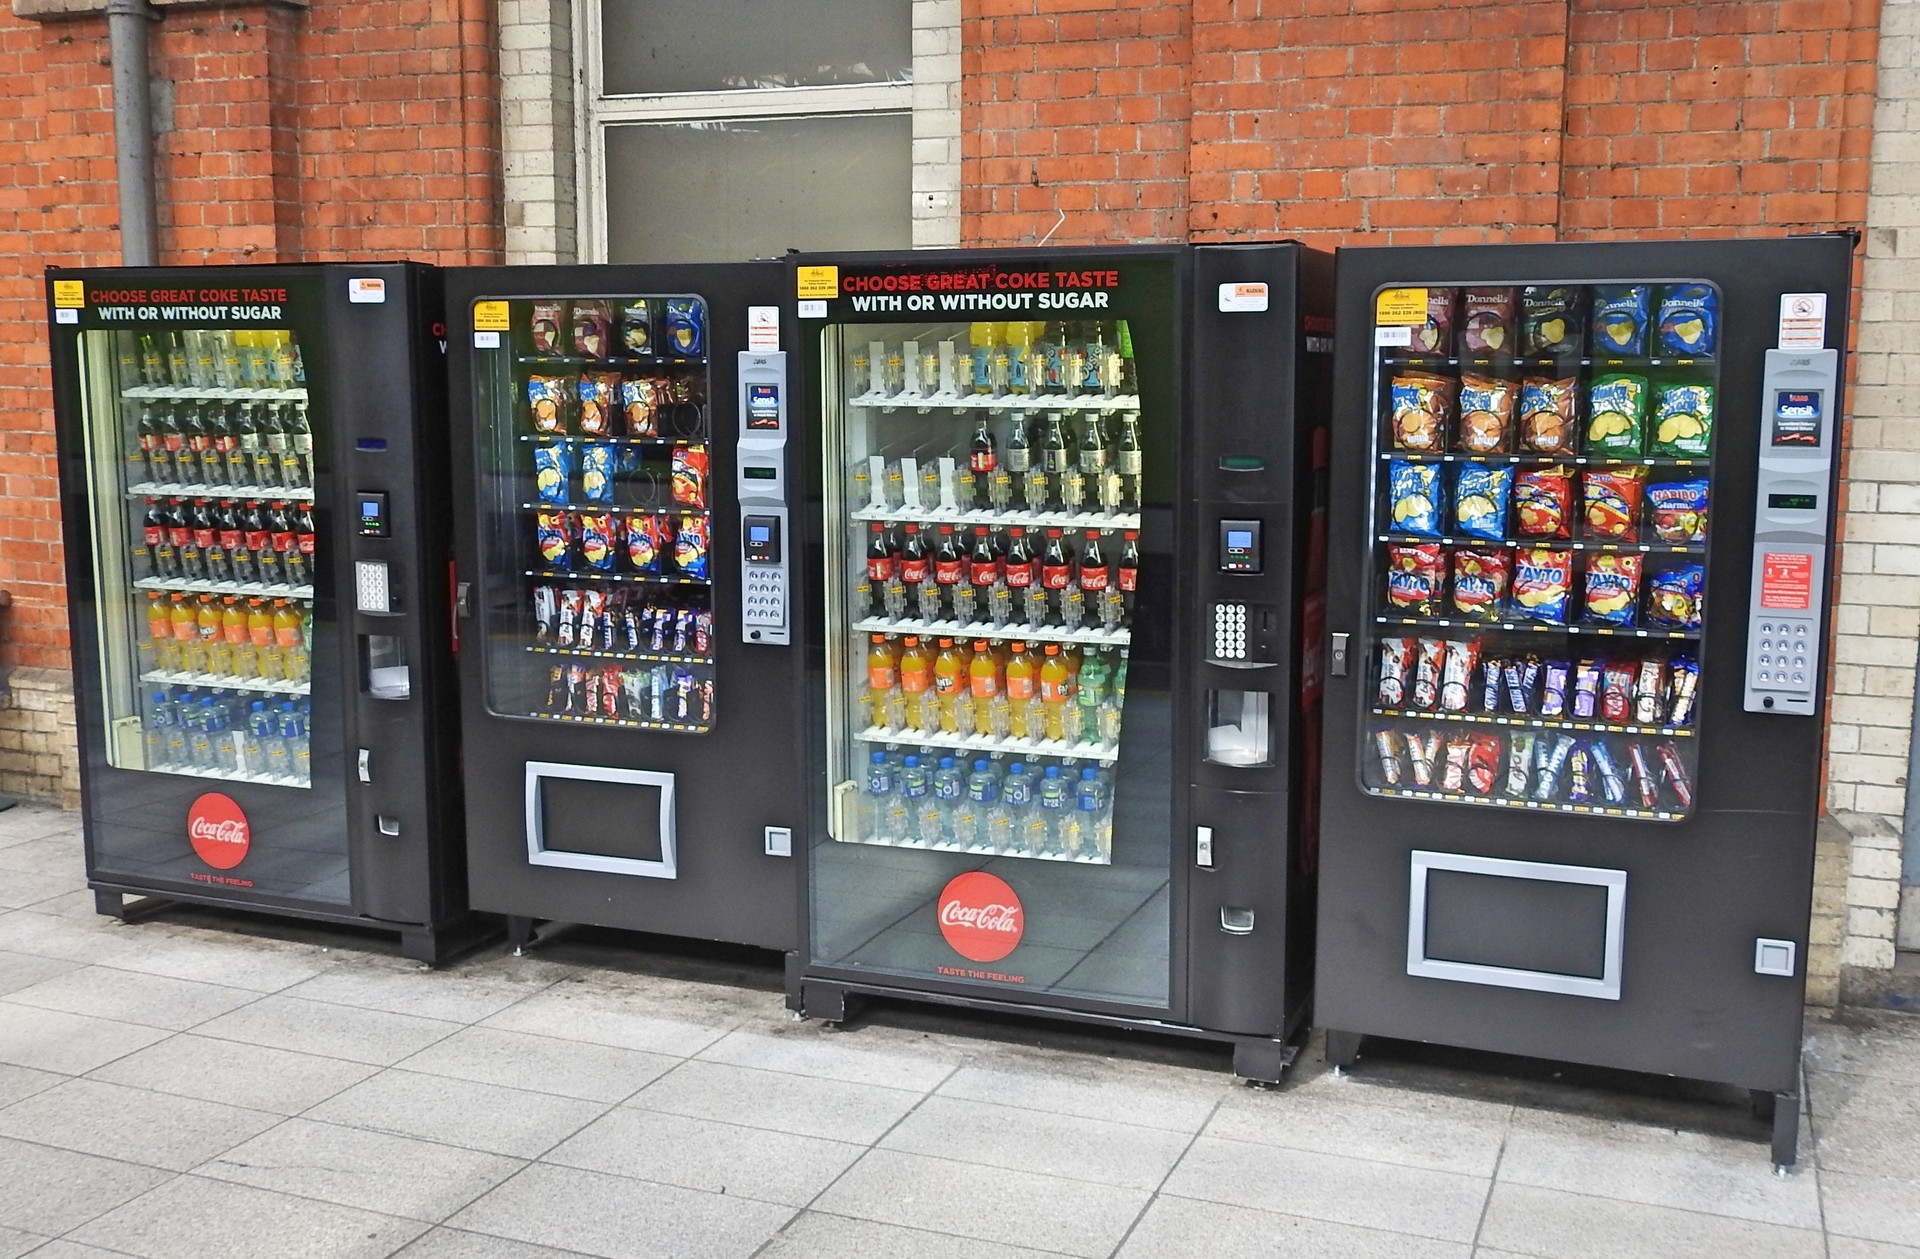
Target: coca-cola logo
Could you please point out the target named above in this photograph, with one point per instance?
(218, 831)
(981, 917)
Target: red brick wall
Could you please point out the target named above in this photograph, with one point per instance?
(357, 128)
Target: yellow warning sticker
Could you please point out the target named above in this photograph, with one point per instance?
(490, 317)
(69, 294)
(817, 282)
(1403, 307)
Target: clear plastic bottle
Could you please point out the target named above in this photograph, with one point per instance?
(1093, 806)
(158, 721)
(915, 795)
(876, 806)
(1056, 802)
(949, 786)
(200, 732)
(293, 730)
(983, 796)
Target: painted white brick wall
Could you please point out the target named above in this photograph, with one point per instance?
(1878, 619)
(536, 130)
(936, 124)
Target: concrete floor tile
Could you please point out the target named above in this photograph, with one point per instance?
(64, 1249)
(1854, 1248)
(1865, 1042)
(449, 1243)
(1871, 1207)
(799, 1104)
(1866, 1124)
(1656, 1166)
(1558, 1225)
(603, 1018)
(353, 1167)
(192, 1217)
(1095, 1090)
(809, 1049)
(1441, 1137)
(542, 1064)
(50, 1191)
(373, 984)
(1183, 1226)
(989, 1203)
(14, 1243)
(475, 1116)
(72, 1044)
(256, 963)
(113, 1121)
(1126, 1155)
(254, 1076)
(128, 997)
(703, 1154)
(62, 856)
(19, 1082)
(1329, 1187)
(19, 890)
(337, 1031)
(619, 1218)
(817, 1235)
(87, 940)
(24, 970)
(29, 822)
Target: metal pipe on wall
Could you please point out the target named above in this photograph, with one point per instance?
(127, 37)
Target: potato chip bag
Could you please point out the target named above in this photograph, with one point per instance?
(1480, 500)
(1689, 319)
(1542, 584)
(547, 318)
(1435, 336)
(1674, 597)
(1551, 319)
(1486, 415)
(547, 397)
(644, 543)
(1616, 415)
(690, 475)
(686, 327)
(640, 407)
(1415, 575)
(598, 391)
(553, 537)
(636, 325)
(1487, 321)
(1548, 424)
(596, 472)
(1413, 497)
(552, 469)
(1613, 589)
(1543, 503)
(1679, 511)
(1611, 507)
(691, 541)
(1620, 316)
(596, 540)
(1479, 583)
(1683, 421)
(592, 329)
(1421, 404)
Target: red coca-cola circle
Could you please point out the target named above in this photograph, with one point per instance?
(218, 830)
(980, 917)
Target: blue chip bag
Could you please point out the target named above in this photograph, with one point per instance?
(1413, 493)
(1480, 497)
(1679, 511)
(1674, 597)
(686, 327)
(552, 469)
(553, 538)
(596, 472)
(1689, 319)
(1620, 316)
(597, 541)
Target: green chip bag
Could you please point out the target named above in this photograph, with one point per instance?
(1616, 415)
(1683, 421)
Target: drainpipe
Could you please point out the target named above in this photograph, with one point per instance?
(127, 22)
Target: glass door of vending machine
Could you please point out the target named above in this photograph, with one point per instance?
(999, 498)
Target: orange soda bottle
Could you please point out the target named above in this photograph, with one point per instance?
(1022, 685)
(1056, 687)
(983, 682)
(949, 678)
(916, 682)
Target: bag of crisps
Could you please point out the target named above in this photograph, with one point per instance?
(1480, 500)
(1620, 316)
(1543, 503)
(1548, 423)
(1413, 493)
(1674, 597)
(1479, 583)
(1486, 415)
(1435, 336)
(1421, 403)
(1689, 319)
(1616, 415)
(1679, 511)
(1683, 421)
(1415, 575)
(1613, 589)
(552, 470)
(1551, 319)
(1612, 503)
(1542, 584)
(1487, 319)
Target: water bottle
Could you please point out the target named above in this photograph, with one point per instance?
(260, 733)
(293, 732)
(936, 817)
(279, 757)
(179, 735)
(915, 795)
(1005, 819)
(200, 735)
(877, 806)
(1056, 802)
(1091, 813)
(159, 721)
(983, 794)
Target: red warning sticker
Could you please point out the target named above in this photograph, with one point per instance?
(1786, 580)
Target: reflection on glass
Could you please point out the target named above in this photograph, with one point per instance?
(717, 45)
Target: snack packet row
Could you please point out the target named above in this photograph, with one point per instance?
(592, 619)
(604, 328)
(1463, 675)
(1545, 584)
(1538, 766)
(1553, 320)
(606, 404)
(652, 544)
(1628, 415)
(1495, 502)
(624, 693)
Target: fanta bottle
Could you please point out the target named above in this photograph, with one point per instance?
(287, 628)
(983, 682)
(883, 679)
(949, 679)
(916, 685)
(159, 628)
(266, 657)
(1055, 690)
(1022, 684)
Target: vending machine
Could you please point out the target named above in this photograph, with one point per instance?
(1583, 521)
(252, 463)
(1068, 506)
(628, 598)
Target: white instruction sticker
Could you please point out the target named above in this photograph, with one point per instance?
(811, 308)
(66, 316)
(1399, 337)
(763, 327)
(370, 290)
(1803, 321)
(1250, 296)
(486, 340)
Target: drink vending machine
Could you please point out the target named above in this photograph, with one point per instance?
(630, 691)
(251, 471)
(1067, 505)
(1584, 496)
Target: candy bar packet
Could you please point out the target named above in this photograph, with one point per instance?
(1480, 499)
(592, 329)
(1616, 691)
(1396, 663)
(1620, 316)
(1519, 764)
(547, 399)
(1542, 584)
(1414, 493)
(1679, 511)
(1429, 663)
(1548, 423)
(1385, 747)
(1551, 319)
(1683, 421)
(1487, 319)
(1480, 583)
(1613, 589)
(1543, 503)
(1689, 319)
(1616, 415)
(1612, 508)
(1453, 777)
(1486, 415)
(1435, 336)
(1483, 764)
(1456, 674)
(1422, 404)
(1586, 690)
(1415, 575)
(547, 318)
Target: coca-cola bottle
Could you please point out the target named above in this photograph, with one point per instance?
(173, 443)
(1056, 566)
(246, 432)
(1129, 459)
(272, 440)
(293, 474)
(1093, 447)
(983, 563)
(300, 441)
(983, 456)
(139, 470)
(305, 541)
(166, 560)
(1018, 567)
(914, 564)
(188, 464)
(1129, 574)
(219, 559)
(881, 565)
(293, 569)
(266, 560)
(233, 540)
(213, 455)
(195, 538)
(949, 566)
(1091, 572)
(239, 458)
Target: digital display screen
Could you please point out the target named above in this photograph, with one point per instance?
(760, 474)
(1793, 502)
(1239, 540)
(759, 535)
(763, 406)
(1242, 463)
(1796, 417)
(370, 510)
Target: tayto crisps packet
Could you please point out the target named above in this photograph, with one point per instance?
(1486, 415)
(1689, 319)
(1415, 575)
(1429, 662)
(1396, 663)
(1487, 319)
(1616, 415)
(1551, 319)
(692, 538)
(592, 329)
(1612, 503)
(1678, 510)
(547, 399)
(1480, 583)
(597, 393)
(596, 472)
(1548, 423)
(1620, 316)
(552, 471)
(1613, 589)
(1683, 421)
(1480, 499)
(1421, 405)
(1542, 584)
(1435, 336)
(644, 543)
(1413, 491)
(553, 538)
(1543, 503)
(640, 407)
(1674, 597)
(690, 475)
(596, 540)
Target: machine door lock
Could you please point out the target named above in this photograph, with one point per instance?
(1203, 846)
(463, 599)
(1337, 656)
(366, 765)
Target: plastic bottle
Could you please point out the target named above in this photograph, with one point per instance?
(158, 721)
(883, 679)
(1023, 677)
(949, 680)
(949, 786)
(982, 337)
(1056, 801)
(983, 683)
(877, 798)
(200, 734)
(983, 797)
(1055, 691)
(915, 795)
(293, 731)
(279, 759)
(921, 712)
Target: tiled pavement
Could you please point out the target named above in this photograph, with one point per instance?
(174, 1091)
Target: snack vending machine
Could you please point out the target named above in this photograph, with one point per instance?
(1067, 507)
(1584, 496)
(630, 696)
(251, 467)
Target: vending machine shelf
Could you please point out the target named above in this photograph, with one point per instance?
(209, 393)
(1105, 753)
(656, 657)
(1578, 461)
(253, 493)
(1008, 632)
(1544, 363)
(224, 587)
(1544, 806)
(263, 686)
(1534, 627)
(627, 362)
(632, 723)
(982, 850)
(885, 402)
(1105, 521)
(230, 775)
(557, 439)
(1559, 544)
(649, 579)
(1536, 723)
